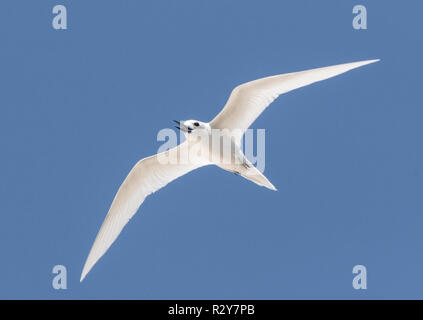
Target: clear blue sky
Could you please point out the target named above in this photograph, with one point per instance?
(79, 107)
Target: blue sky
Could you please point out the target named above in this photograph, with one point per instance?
(79, 107)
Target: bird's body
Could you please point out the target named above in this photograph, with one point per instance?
(225, 131)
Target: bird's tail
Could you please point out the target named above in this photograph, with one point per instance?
(254, 175)
(249, 172)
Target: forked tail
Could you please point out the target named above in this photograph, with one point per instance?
(249, 172)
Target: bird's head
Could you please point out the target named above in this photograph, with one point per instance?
(194, 127)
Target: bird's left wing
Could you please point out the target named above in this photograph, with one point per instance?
(147, 176)
(249, 100)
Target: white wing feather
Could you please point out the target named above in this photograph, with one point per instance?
(247, 101)
(147, 176)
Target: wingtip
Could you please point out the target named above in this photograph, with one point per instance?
(84, 273)
(357, 64)
(369, 61)
(82, 277)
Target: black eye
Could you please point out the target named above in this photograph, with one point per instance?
(196, 124)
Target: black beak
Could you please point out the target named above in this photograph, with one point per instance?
(184, 128)
(178, 122)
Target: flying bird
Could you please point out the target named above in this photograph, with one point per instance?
(246, 102)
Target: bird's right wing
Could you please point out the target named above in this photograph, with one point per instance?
(247, 101)
(147, 176)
